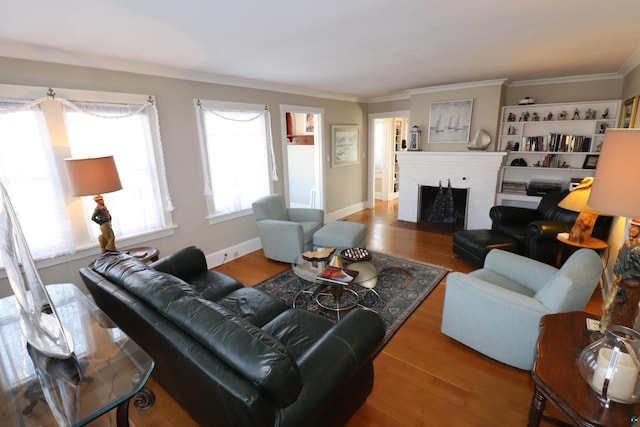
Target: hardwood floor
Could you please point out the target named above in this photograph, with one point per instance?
(422, 377)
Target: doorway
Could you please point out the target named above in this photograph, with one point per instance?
(302, 151)
(387, 136)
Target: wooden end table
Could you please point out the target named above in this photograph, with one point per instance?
(593, 243)
(557, 379)
(145, 253)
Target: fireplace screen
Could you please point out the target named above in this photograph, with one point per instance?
(442, 209)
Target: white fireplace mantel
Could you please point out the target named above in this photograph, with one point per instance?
(476, 171)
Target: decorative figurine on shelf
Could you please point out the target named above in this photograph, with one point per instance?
(603, 127)
(102, 217)
(562, 115)
(620, 306)
(524, 117)
(591, 114)
(535, 117)
(511, 117)
(605, 115)
(576, 115)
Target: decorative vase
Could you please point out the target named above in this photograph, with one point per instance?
(39, 320)
(611, 365)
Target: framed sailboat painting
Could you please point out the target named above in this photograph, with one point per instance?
(450, 121)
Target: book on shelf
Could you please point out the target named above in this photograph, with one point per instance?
(338, 275)
(514, 187)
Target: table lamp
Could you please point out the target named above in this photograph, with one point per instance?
(92, 177)
(615, 190)
(576, 201)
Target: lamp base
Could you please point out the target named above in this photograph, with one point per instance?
(622, 308)
(582, 228)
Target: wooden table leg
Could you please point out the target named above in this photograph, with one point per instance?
(538, 403)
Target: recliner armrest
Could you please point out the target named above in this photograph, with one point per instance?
(512, 215)
(547, 230)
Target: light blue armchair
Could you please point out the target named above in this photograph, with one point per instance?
(496, 310)
(285, 232)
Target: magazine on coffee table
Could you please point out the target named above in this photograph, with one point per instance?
(338, 275)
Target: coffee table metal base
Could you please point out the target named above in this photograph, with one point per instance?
(332, 297)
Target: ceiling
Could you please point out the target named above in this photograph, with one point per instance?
(356, 48)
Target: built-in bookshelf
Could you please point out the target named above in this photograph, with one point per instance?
(551, 143)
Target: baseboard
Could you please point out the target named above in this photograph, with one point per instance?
(236, 251)
(334, 216)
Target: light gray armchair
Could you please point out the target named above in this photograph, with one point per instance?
(285, 232)
(496, 310)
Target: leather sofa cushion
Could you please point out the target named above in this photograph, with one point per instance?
(253, 353)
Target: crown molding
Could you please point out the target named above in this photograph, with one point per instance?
(569, 79)
(457, 86)
(399, 97)
(631, 63)
(16, 50)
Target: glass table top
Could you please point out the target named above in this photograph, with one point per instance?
(107, 370)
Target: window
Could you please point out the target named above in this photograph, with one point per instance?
(236, 145)
(36, 135)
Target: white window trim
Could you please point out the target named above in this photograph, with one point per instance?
(229, 106)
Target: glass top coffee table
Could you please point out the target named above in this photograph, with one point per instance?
(335, 297)
(107, 371)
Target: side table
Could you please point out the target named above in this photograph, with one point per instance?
(145, 253)
(108, 369)
(557, 379)
(592, 243)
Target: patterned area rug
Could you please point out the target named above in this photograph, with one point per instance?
(402, 286)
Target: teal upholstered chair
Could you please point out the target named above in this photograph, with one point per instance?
(496, 310)
(285, 232)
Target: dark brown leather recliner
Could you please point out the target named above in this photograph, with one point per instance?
(232, 355)
(535, 230)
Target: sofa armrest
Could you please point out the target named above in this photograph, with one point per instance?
(184, 263)
(306, 214)
(334, 359)
(547, 230)
(357, 336)
(512, 215)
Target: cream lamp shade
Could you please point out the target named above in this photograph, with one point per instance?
(614, 190)
(617, 175)
(576, 201)
(93, 176)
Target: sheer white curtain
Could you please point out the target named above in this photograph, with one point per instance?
(96, 129)
(29, 173)
(237, 157)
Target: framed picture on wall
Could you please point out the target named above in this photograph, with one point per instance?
(345, 145)
(450, 121)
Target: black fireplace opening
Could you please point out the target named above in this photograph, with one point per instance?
(442, 209)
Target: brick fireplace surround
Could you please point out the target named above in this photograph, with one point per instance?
(479, 172)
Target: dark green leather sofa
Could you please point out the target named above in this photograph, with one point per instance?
(232, 355)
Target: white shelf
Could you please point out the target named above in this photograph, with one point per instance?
(523, 132)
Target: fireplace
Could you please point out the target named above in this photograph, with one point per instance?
(442, 208)
(476, 171)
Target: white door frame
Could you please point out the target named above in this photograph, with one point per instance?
(371, 173)
(317, 144)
